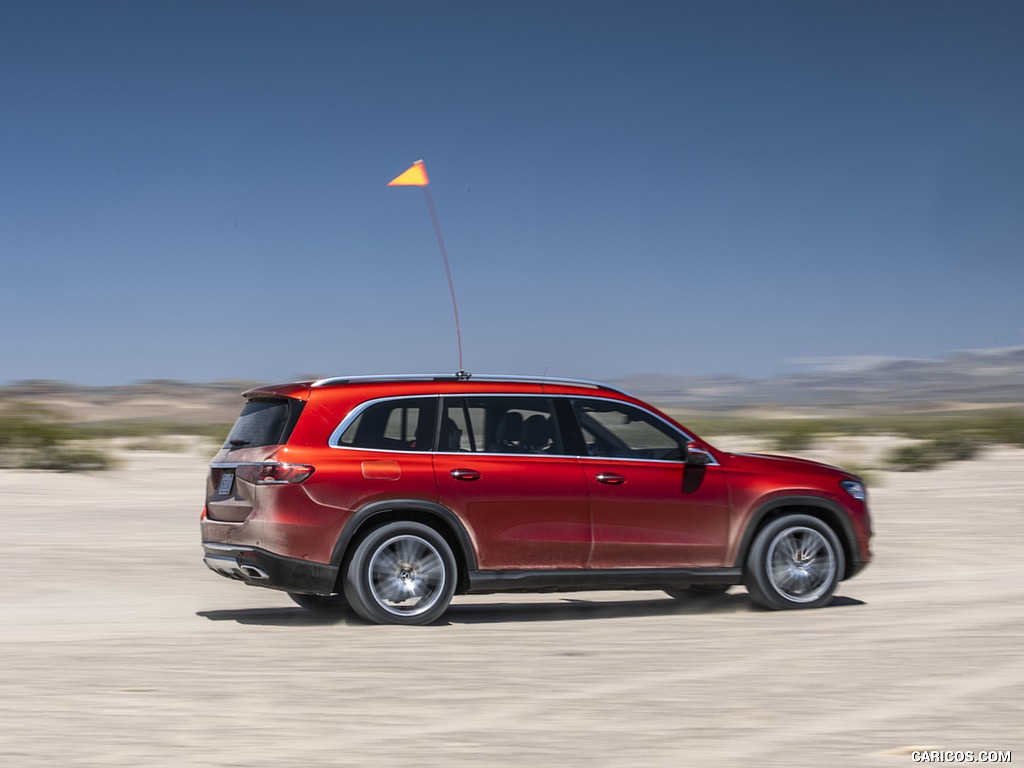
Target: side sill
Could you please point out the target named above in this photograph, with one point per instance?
(492, 582)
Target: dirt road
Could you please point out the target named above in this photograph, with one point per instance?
(119, 648)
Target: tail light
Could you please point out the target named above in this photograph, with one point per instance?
(273, 473)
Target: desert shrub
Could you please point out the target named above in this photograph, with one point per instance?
(794, 435)
(32, 438)
(32, 432)
(962, 448)
(930, 454)
(1005, 428)
(70, 459)
(914, 458)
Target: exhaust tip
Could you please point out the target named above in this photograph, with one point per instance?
(252, 572)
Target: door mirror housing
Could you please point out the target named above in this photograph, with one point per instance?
(697, 457)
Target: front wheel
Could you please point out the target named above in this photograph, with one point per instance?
(796, 562)
(401, 573)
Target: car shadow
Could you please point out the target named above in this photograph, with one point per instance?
(576, 609)
(279, 617)
(581, 609)
(564, 609)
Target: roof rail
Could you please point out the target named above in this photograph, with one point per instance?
(459, 377)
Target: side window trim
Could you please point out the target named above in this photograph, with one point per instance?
(562, 409)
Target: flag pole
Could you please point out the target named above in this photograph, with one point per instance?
(447, 269)
(416, 176)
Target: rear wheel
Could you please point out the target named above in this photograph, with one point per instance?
(401, 573)
(324, 604)
(796, 562)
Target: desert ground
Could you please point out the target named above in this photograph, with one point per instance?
(119, 647)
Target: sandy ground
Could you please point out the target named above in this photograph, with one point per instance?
(119, 648)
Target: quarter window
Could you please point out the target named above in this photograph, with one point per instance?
(393, 425)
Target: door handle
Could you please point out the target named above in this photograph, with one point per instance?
(465, 474)
(610, 478)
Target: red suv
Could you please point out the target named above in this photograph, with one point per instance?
(392, 494)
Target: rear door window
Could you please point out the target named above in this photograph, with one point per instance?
(499, 424)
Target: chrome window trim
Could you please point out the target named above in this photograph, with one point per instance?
(355, 413)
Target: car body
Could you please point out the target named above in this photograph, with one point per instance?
(392, 494)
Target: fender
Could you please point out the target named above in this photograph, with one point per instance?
(430, 508)
(834, 514)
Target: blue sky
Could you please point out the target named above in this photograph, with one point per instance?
(197, 190)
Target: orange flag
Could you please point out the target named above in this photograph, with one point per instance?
(415, 176)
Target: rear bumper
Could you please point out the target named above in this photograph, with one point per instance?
(265, 569)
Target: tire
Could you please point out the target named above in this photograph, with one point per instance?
(401, 573)
(696, 591)
(796, 561)
(322, 604)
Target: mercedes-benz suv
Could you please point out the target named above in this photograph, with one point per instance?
(392, 494)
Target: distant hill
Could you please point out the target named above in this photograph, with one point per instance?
(974, 379)
(169, 401)
(978, 378)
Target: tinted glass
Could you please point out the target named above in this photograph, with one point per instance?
(619, 430)
(499, 424)
(263, 421)
(394, 425)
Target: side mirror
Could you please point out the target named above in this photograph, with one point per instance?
(697, 457)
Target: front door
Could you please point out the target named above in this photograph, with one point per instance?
(650, 510)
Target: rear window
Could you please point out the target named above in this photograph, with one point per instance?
(264, 421)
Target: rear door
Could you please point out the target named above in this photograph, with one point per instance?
(502, 467)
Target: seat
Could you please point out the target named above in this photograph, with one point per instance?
(424, 438)
(536, 437)
(451, 436)
(508, 434)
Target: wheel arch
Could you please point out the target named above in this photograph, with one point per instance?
(429, 513)
(826, 510)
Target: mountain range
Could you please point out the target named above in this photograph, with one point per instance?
(965, 379)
